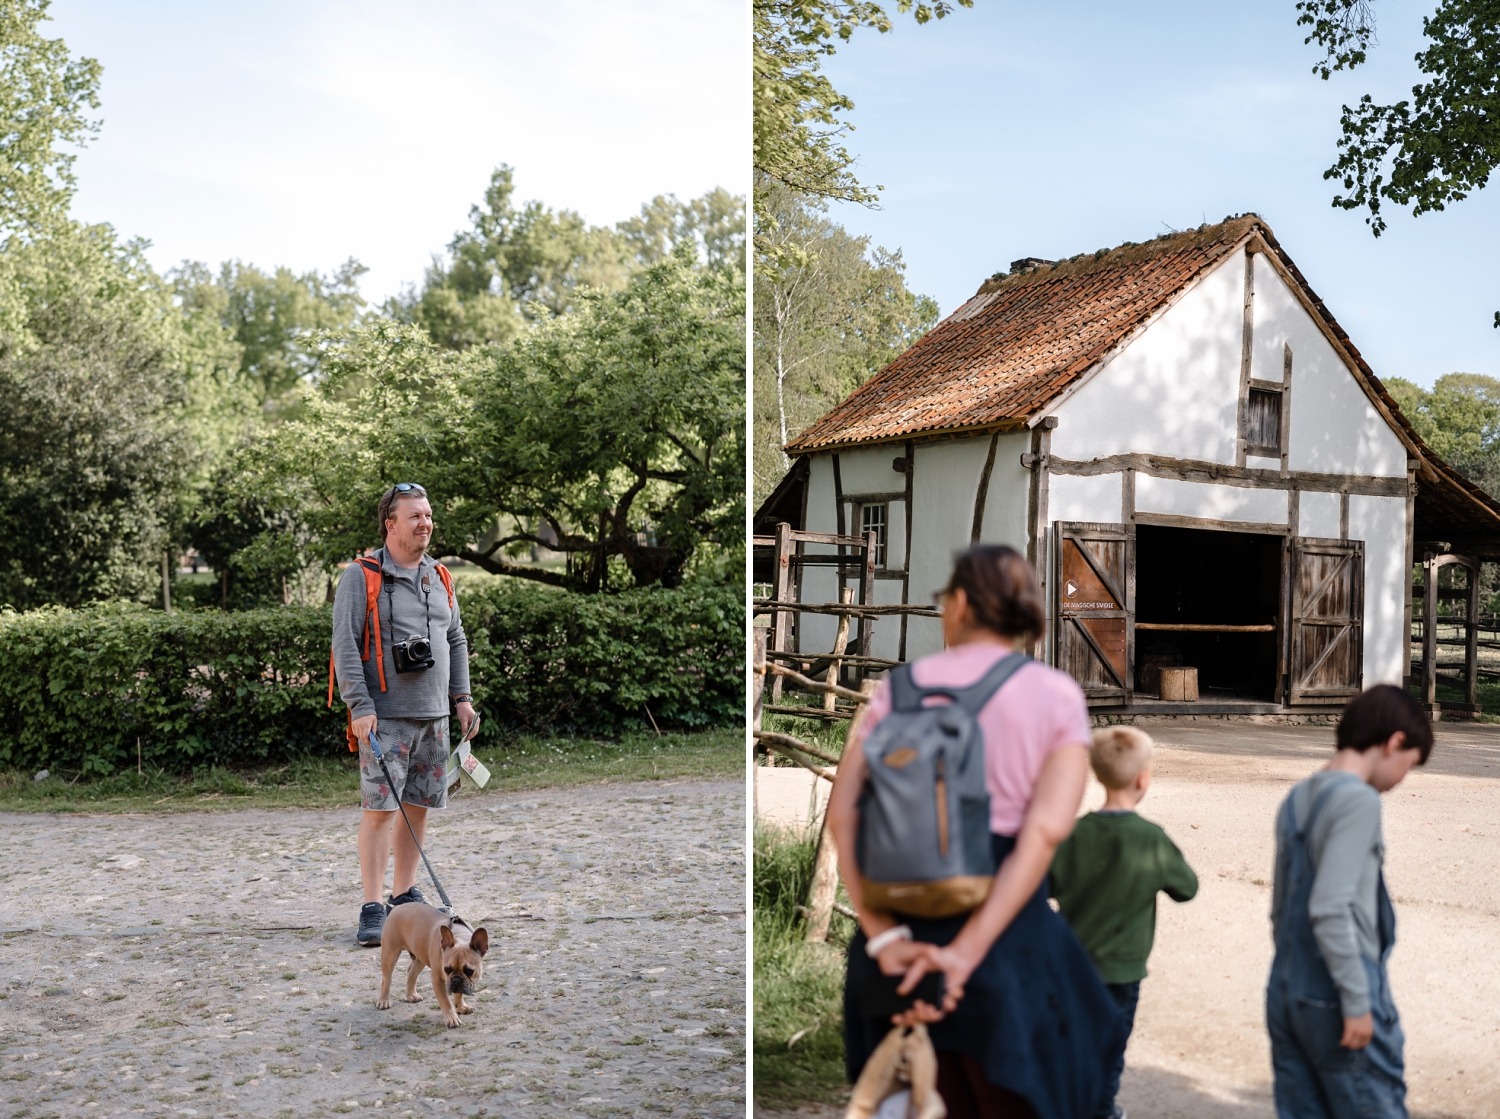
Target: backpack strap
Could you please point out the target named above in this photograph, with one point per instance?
(908, 695)
(905, 694)
(973, 698)
(374, 580)
(447, 577)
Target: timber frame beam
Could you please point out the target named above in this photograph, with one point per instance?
(1248, 477)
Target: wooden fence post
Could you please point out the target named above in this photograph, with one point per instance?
(825, 864)
(840, 643)
(781, 620)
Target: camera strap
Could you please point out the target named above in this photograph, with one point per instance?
(389, 583)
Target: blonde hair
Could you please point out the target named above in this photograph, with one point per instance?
(1119, 754)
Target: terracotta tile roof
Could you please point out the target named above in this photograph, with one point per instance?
(1022, 339)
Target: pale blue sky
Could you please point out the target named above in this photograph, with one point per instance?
(303, 132)
(1012, 130)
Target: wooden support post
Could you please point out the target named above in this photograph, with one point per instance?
(759, 667)
(867, 595)
(761, 634)
(1471, 639)
(840, 644)
(781, 620)
(1429, 632)
(826, 864)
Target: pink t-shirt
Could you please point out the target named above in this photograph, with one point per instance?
(1035, 712)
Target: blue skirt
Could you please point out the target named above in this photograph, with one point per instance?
(1035, 1014)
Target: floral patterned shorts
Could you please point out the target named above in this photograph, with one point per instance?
(416, 753)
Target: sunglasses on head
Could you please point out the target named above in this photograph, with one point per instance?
(407, 487)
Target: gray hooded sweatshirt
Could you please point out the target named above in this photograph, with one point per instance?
(412, 601)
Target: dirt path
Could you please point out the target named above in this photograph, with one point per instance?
(1199, 1050)
(204, 964)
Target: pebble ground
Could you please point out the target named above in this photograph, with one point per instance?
(204, 963)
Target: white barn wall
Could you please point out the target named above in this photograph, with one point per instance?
(945, 479)
(868, 470)
(1174, 390)
(1091, 497)
(1202, 499)
(1009, 498)
(1334, 427)
(1381, 523)
(1318, 515)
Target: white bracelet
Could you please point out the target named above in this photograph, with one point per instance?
(881, 941)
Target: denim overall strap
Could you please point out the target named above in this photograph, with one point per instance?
(1294, 866)
(1315, 1077)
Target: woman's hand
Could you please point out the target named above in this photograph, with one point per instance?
(897, 957)
(955, 966)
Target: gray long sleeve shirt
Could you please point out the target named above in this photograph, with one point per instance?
(1347, 851)
(412, 601)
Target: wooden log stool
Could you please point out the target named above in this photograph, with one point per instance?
(1179, 685)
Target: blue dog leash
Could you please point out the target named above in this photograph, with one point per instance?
(379, 757)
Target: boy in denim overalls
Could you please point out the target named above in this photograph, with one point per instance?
(1336, 1041)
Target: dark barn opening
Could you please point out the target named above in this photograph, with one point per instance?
(1208, 600)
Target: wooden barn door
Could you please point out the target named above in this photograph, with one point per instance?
(1094, 577)
(1325, 654)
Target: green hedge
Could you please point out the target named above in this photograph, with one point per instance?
(95, 690)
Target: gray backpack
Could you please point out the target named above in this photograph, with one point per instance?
(924, 814)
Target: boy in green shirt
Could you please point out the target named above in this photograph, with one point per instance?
(1106, 876)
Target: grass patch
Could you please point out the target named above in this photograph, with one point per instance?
(798, 1039)
(522, 763)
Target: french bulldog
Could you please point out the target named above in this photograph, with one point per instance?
(447, 946)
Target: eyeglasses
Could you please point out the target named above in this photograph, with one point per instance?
(938, 596)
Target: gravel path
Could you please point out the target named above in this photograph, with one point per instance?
(204, 963)
(1199, 1050)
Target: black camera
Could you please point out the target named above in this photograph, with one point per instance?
(413, 655)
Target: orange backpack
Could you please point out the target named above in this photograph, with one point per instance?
(374, 580)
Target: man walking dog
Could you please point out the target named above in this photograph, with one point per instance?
(399, 656)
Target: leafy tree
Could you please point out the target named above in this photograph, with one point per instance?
(515, 265)
(613, 433)
(830, 311)
(45, 93)
(94, 454)
(1459, 418)
(520, 264)
(273, 317)
(712, 227)
(1435, 147)
(799, 117)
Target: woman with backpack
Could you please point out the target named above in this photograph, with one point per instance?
(1024, 1026)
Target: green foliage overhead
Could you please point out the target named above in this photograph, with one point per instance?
(615, 432)
(799, 117)
(1433, 148)
(830, 311)
(45, 95)
(111, 687)
(524, 263)
(274, 318)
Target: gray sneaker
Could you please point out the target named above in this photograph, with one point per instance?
(371, 921)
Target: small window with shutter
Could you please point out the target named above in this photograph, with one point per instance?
(1263, 422)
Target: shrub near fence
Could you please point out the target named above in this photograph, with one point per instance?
(110, 687)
